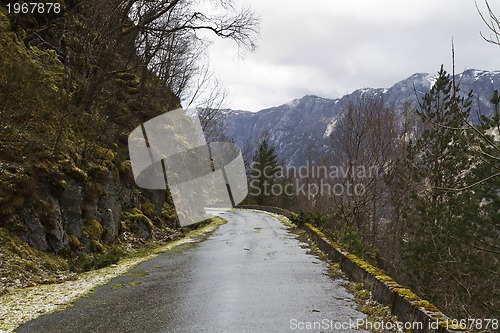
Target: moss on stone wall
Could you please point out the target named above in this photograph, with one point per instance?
(93, 229)
(418, 303)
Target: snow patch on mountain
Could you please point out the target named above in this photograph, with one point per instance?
(330, 127)
(293, 103)
(304, 127)
(432, 78)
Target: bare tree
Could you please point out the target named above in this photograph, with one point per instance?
(171, 16)
(168, 36)
(109, 40)
(173, 44)
(365, 144)
(492, 22)
(212, 113)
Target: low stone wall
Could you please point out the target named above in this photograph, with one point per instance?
(409, 307)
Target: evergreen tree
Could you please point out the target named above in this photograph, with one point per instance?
(485, 237)
(444, 215)
(263, 172)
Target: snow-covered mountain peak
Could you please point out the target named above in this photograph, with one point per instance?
(303, 127)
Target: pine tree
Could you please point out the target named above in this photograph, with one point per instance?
(263, 173)
(485, 237)
(443, 214)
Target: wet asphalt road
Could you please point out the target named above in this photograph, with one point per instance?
(250, 275)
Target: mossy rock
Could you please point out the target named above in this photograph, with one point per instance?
(62, 185)
(10, 203)
(168, 212)
(97, 172)
(105, 155)
(93, 191)
(4, 21)
(93, 229)
(75, 243)
(125, 166)
(148, 209)
(76, 173)
(97, 246)
(125, 172)
(47, 214)
(135, 220)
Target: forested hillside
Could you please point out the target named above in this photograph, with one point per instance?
(75, 79)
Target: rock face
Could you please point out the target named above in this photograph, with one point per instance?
(65, 216)
(27, 223)
(108, 208)
(45, 198)
(57, 236)
(71, 202)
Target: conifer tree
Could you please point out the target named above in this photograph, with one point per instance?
(263, 170)
(444, 215)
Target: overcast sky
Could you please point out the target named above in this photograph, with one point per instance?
(332, 47)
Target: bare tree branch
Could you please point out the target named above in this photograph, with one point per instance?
(493, 24)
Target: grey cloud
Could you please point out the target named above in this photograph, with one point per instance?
(332, 49)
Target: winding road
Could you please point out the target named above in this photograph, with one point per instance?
(250, 275)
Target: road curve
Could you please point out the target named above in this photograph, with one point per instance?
(251, 275)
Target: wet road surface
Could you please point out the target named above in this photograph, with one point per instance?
(250, 275)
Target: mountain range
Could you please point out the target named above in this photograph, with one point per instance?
(301, 128)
